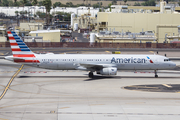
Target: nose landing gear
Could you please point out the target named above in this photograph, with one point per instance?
(155, 71)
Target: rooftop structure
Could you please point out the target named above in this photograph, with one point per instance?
(163, 21)
(115, 36)
(174, 38)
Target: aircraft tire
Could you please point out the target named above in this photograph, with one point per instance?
(91, 75)
(156, 76)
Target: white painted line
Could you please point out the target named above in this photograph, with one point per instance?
(166, 85)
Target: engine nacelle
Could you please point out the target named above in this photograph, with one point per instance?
(108, 71)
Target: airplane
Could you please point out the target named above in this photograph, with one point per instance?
(104, 64)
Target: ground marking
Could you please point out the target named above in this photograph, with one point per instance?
(108, 51)
(9, 83)
(151, 51)
(3, 119)
(166, 85)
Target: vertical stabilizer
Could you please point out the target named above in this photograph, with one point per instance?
(21, 52)
(18, 47)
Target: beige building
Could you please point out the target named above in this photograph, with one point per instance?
(47, 35)
(3, 34)
(31, 26)
(163, 23)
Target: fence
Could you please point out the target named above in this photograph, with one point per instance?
(96, 45)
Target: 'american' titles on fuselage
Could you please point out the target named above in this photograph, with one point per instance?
(128, 60)
(113, 60)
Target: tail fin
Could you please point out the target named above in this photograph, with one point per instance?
(18, 47)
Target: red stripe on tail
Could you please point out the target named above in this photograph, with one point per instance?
(11, 37)
(9, 32)
(15, 49)
(14, 44)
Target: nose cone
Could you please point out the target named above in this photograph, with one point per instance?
(172, 65)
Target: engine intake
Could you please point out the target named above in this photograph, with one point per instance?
(108, 71)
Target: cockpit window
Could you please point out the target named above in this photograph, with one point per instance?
(166, 60)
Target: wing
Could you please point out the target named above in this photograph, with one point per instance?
(93, 67)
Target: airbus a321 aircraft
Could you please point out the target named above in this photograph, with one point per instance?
(104, 64)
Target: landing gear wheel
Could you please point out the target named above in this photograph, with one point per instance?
(91, 75)
(155, 71)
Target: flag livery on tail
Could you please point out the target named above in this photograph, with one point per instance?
(20, 51)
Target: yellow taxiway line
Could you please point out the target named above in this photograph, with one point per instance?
(108, 51)
(151, 51)
(3, 119)
(9, 83)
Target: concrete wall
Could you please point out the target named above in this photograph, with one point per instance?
(135, 22)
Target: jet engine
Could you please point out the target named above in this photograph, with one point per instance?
(108, 71)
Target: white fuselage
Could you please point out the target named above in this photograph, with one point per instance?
(121, 62)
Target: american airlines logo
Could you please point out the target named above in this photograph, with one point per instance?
(128, 60)
(149, 60)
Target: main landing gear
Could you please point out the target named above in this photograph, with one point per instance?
(91, 75)
(155, 71)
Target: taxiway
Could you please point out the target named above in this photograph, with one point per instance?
(29, 93)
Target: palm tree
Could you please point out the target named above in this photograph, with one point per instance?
(17, 14)
(125, 1)
(23, 3)
(15, 2)
(54, 6)
(34, 3)
(47, 4)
